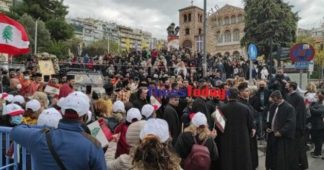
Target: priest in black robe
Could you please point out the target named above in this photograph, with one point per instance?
(244, 99)
(297, 101)
(281, 124)
(235, 150)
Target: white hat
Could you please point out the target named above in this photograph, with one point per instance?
(34, 105)
(156, 127)
(60, 102)
(13, 110)
(19, 99)
(133, 113)
(199, 119)
(81, 94)
(147, 110)
(76, 101)
(49, 117)
(119, 106)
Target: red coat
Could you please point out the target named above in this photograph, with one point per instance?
(65, 90)
(122, 146)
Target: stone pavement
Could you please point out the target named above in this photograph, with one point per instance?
(314, 164)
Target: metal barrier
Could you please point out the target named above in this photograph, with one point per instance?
(19, 160)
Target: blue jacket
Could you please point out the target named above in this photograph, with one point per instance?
(76, 151)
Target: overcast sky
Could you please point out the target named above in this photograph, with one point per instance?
(156, 15)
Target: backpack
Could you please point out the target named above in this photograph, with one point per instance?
(199, 157)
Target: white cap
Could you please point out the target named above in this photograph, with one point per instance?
(119, 106)
(60, 102)
(156, 127)
(199, 119)
(13, 110)
(34, 105)
(76, 101)
(133, 113)
(147, 110)
(18, 99)
(49, 117)
(82, 95)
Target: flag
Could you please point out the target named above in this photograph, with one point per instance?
(220, 120)
(155, 103)
(52, 90)
(13, 37)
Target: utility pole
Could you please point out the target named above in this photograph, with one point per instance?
(205, 38)
(36, 32)
(108, 43)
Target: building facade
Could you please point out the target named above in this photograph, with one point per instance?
(90, 30)
(191, 28)
(225, 30)
(131, 38)
(304, 32)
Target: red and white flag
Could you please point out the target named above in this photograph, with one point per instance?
(13, 37)
(220, 120)
(155, 103)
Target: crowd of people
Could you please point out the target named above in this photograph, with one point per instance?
(177, 62)
(166, 131)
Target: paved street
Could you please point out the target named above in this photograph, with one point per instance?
(314, 164)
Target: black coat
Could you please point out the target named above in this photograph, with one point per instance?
(297, 101)
(300, 158)
(172, 117)
(138, 103)
(279, 154)
(253, 140)
(256, 100)
(317, 116)
(185, 142)
(235, 152)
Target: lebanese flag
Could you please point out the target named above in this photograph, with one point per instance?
(13, 37)
(155, 103)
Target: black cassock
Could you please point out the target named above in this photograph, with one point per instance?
(253, 140)
(171, 116)
(235, 152)
(279, 154)
(300, 157)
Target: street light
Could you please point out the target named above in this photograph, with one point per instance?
(36, 32)
(205, 37)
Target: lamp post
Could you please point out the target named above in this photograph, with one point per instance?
(205, 37)
(36, 32)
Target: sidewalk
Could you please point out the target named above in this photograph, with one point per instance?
(314, 164)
